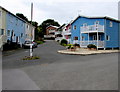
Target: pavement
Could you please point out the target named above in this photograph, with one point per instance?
(83, 51)
(55, 71)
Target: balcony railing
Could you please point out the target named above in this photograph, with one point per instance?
(67, 32)
(85, 43)
(92, 28)
(49, 36)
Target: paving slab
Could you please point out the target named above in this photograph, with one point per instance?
(16, 79)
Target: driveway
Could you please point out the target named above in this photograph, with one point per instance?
(54, 71)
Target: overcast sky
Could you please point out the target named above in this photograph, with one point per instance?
(62, 11)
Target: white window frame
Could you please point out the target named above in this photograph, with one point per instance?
(94, 36)
(9, 33)
(74, 27)
(85, 25)
(111, 24)
(107, 37)
(83, 38)
(97, 22)
(2, 32)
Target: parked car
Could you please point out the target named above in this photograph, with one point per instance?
(27, 44)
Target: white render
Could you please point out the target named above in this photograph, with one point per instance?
(29, 32)
(3, 38)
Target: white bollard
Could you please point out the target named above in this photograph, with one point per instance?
(31, 54)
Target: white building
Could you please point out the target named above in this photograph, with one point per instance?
(3, 38)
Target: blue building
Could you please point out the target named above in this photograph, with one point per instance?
(100, 31)
(15, 28)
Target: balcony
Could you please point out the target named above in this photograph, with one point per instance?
(67, 32)
(49, 36)
(92, 29)
(85, 43)
(57, 32)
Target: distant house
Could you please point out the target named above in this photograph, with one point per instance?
(14, 29)
(66, 33)
(50, 32)
(100, 31)
(29, 32)
(58, 33)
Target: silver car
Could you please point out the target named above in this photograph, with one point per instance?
(27, 44)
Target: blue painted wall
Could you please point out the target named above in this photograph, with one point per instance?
(113, 33)
(110, 31)
(79, 23)
(15, 24)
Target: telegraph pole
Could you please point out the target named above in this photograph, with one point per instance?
(31, 49)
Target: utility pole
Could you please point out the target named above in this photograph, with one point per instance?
(31, 49)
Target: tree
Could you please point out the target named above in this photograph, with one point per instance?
(48, 22)
(22, 16)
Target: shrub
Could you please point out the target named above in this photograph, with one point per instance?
(77, 45)
(39, 42)
(69, 46)
(91, 46)
(63, 41)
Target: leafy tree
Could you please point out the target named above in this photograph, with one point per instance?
(22, 16)
(48, 22)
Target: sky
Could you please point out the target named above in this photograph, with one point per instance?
(62, 11)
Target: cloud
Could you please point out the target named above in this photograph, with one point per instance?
(61, 10)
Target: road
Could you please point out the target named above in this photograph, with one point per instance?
(54, 71)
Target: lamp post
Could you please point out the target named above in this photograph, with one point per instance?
(31, 49)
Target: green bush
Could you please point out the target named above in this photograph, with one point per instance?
(91, 46)
(63, 42)
(69, 46)
(77, 45)
(39, 42)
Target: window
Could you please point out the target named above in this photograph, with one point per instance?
(75, 38)
(74, 27)
(94, 37)
(108, 38)
(2, 32)
(85, 25)
(97, 23)
(99, 37)
(96, 28)
(83, 38)
(111, 24)
(8, 33)
(27, 26)
(16, 21)
(12, 33)
(21, 35)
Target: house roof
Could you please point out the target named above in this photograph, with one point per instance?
(15, 16)
(52, 26)
(102, 17)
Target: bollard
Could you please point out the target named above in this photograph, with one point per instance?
(31, 51)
